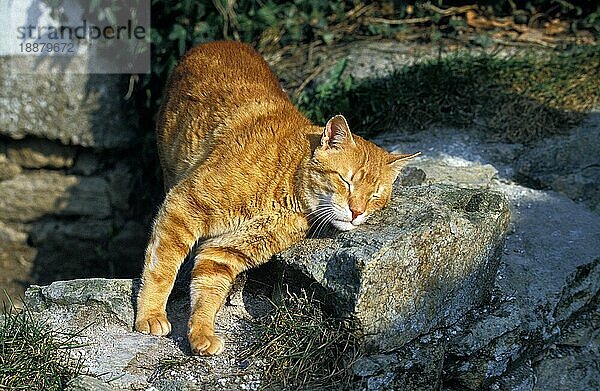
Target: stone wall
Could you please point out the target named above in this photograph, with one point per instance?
(69, 162)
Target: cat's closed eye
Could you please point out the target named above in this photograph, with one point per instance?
(346, 182)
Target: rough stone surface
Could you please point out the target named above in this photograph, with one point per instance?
(87, 163)
(37, 153)
(451, 170)
(547, 281)
(456, 156)
(94, 247)
(538, 331)
(101, 311)
(11, 234)
(29, 196)
(16, 258)
(421, 263)
(58, 216)
(87, 383)
(549, 273)
(8, 169)
(69, 162)
(84, 109)
(576, 352)
(568, 164)
(411, 176)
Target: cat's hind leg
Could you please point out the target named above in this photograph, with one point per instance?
(220, 260)
(215, 270)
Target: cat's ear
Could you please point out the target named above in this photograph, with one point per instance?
(336, 133)
(397, 160)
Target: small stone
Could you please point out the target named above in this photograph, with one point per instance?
(38, 153)
(412, 176)
(29, 196)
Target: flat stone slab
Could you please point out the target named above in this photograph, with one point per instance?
(30, 196)
(419, 264)
(101, 312)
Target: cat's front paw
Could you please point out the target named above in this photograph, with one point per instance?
(206, 345)
(155, 324)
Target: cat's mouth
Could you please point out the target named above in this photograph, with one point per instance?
(343, 225)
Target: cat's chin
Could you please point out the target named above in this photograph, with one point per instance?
(343, 225)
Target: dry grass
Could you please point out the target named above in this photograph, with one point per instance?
(302, 348)
(33, 357)
(522, 98)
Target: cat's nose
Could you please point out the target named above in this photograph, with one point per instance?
(356, 212)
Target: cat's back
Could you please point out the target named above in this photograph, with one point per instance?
(212, 92)
(225, 66)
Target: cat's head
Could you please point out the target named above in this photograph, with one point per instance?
(349, 177)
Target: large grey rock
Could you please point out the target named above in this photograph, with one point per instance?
(420, 264)
(83, 109)
(421, 221)
(567, 164)
(29, 196)
(548, 279)
(549, 275)
(525, 337)
(456, 156)
(102, 313)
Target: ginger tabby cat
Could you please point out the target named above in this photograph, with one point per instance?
(247, 175)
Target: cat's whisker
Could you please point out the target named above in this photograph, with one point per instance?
(318, 210)
(323, 201)
(316, 218)
(325, 224)
(322, 222)
(324, 209)
(317, 223)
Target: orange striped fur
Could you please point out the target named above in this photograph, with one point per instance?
(247, 175)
